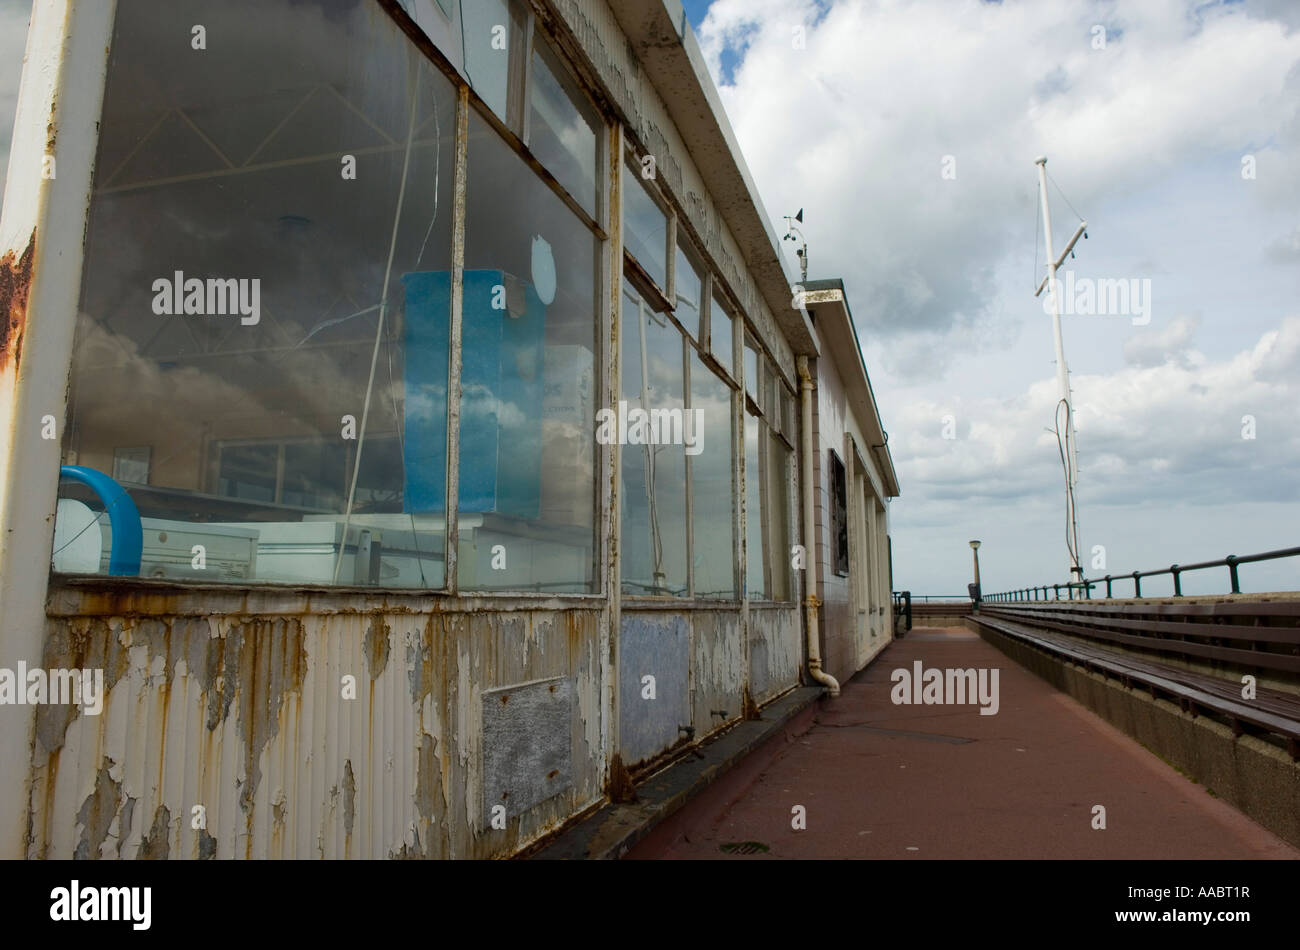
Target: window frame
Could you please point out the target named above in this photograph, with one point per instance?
(838, 512)
(631, 165)
(514, 130)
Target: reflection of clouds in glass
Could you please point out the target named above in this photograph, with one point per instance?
(13, 40)
(478, 405)
(510, 415)
(426, 405)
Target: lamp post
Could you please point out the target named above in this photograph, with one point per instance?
(975, 588)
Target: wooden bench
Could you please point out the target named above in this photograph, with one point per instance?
(1276, 712)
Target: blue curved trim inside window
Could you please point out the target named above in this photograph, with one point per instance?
(123, 517)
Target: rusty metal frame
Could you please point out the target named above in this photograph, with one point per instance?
(618, 784)
(451, 534)
(42, 235)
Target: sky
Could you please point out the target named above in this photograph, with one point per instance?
(13, 40)
(907, 130)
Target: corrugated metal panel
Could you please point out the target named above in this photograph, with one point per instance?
(718, 664)
(775, 650)
(247, 718)
(658, 645)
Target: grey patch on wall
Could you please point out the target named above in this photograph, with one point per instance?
(655, 645)
(155, 846)
(758, 678)
(97, 813)
(527, 745)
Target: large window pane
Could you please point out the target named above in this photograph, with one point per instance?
(645, 228)
(755, 523)
(562, 128)
(713, 552)
(494, 60)
(689, 287)
(242, 324)
(780, 478)
(720, 334)
(653, 492)
(527, 456)
(751, 370)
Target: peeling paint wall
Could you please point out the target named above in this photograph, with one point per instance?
(715, 676)
(775, 650)
(247, 717)
(269, 723)
(718, 662)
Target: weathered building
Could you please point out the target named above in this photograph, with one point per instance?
(406, 409)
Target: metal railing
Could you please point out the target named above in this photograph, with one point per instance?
(903, 608)
(1081, 590)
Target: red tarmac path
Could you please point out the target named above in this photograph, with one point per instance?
(885, 781)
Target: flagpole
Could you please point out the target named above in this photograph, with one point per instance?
(1062, 377)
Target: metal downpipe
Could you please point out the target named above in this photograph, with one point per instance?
(810, 601)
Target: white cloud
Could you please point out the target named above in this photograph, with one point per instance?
(1175, 427)
(1155, 347)
(854, 128)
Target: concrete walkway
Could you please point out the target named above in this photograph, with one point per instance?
(879, 780)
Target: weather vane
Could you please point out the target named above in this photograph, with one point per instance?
(794, 234)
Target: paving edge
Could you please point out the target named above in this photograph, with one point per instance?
(1255, 777)
(613, 830)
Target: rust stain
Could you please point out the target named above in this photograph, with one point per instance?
(349, 797)
(15, 290)
(620, 789)
(428, 778)
(264, 665)
(377, 647)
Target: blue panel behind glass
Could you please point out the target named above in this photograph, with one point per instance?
(501, 403)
